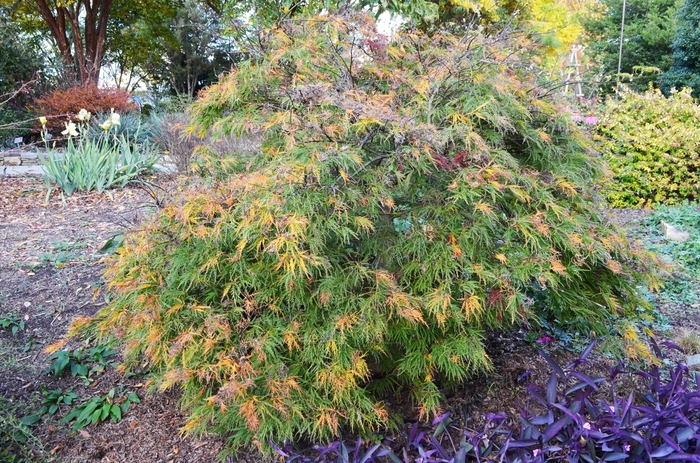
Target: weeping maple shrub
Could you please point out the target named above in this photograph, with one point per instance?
(408, 196)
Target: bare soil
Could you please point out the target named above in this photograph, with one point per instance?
(50, 270)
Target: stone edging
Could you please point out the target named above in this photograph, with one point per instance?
(19, 158)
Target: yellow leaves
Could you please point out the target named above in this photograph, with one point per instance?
(212, 262)
(247, 411)
(79, 324)
(405, 307)
(544, 136)
(364, 224)
(290, 337)
(614, 266)
(456, 250)
(438, 302)
(635, 348)
(539, 221)
(458, 118)
(172, 377)
(567, 187)
(471, 305)
(422, 86)
(55, 347)
(346, 322)
(192, 426)
(575, 240)
(518, 192)
(341, 379)
(557, 266)
(287, 120)
(365, 122)
(484, 208)
(387, 203)
(327, 419)
(501, 258)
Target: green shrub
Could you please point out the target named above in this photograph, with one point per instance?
(407, 196)
(652, 145)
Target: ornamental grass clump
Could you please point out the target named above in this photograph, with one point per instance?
(94, 162)
(408, 196)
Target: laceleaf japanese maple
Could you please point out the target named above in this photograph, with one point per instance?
(409, 195)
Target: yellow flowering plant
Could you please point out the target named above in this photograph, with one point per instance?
(99, 162)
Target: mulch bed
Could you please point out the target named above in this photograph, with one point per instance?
(50, 267)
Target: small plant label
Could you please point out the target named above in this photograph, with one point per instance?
(18, 140)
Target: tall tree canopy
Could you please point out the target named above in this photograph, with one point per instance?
(685, 69)
(555, 22)
(78, 27)
(649, 29)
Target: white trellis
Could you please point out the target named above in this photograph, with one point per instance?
(572, 79)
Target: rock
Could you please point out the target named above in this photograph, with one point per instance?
(693, 361)
(673, 233)
(13, 161)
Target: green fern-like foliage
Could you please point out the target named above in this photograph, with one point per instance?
(408, 196)
(652, 145)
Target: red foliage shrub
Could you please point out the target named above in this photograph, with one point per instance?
(59, 105)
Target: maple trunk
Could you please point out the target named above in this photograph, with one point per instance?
(80, 39)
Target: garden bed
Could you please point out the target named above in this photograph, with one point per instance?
(50, 271)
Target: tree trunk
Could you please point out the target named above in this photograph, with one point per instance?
(82, 55)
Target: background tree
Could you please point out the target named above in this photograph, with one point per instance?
(649, 29)
(21, 75)
(78, 28)
(134, 39)
(556, 23)
(193, 52)
(685, 69)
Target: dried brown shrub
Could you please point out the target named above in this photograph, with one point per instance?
(61, 104)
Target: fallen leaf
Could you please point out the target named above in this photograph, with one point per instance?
(84, 433)
(133, 424)
(56, 449)
(176, 450)
(27, 304)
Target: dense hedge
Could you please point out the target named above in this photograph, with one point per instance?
(408, 195)
(652, 145)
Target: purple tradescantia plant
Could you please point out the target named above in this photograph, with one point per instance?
(574, 425)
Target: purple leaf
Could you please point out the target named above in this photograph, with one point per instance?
(683, 457)
(439, 448)
(669, 441)
(662, 451)
(541, 420)
(615, 456)
(552, 388)
(593, 382)
(568, 412)
(552, 364)
(441, 418)
(369, 453)
(414, 432)
(519, 444)
(554, 428)
(275, 447)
